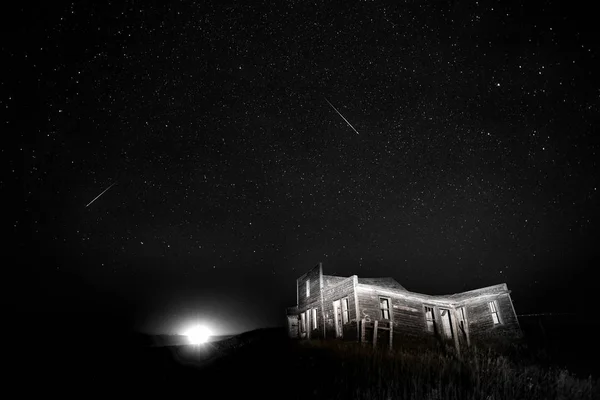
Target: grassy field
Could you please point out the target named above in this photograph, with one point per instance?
(343, 370)
(266, 364)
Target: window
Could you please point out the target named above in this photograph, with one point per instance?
(308, 288)
(494, 311)
(314, 318)
(303, 322)
(345, 312)
(430, 319)
(385, 307)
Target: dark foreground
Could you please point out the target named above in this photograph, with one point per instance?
(265, 364)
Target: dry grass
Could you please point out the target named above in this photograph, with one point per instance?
(363, 373)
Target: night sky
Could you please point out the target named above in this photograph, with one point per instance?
(470, 157)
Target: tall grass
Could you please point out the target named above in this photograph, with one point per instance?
(360, 372)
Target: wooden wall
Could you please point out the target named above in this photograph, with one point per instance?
(332, 293)
(329, 280)
(407, 315)
(410, 326)
(313, 277)
(481, 324)
(293, 326)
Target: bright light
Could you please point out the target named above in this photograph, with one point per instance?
(198, 335)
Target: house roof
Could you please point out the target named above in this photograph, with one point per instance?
(488, 290)
(453, 298)
(386, 282)
(390, 283)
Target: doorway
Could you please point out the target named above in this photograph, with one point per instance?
(337, 316)
(446, 323)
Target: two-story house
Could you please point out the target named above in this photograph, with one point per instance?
(372, 309)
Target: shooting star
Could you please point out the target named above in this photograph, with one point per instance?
(349, 124)
(104, 191)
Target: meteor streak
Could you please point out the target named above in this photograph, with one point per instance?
(104, 191)
(349, 124)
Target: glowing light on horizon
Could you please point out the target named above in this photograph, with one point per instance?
(198, 334)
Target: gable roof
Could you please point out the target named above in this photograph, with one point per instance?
(385, 282)
(456, 298)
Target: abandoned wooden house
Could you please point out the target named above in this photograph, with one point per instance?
(382, 312)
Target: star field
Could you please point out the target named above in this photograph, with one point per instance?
(475, 162)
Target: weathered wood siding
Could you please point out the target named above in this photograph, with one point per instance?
(481, 325)
(306, 304)
(407, 311)
(316, 331)
(407, 315)
(387, 282)
(329, 280)
(470, 294)
(344, 288)
(410, 325)
(292, 321)
(313, 277)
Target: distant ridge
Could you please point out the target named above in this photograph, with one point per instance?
(182, 340)
(174, 340)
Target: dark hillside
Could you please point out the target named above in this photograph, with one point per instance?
(267, 364)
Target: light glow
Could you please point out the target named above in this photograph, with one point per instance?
(198, 334)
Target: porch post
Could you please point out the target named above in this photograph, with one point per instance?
(362, 331)
(356, 306)
(455, 329)
(375, 333)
